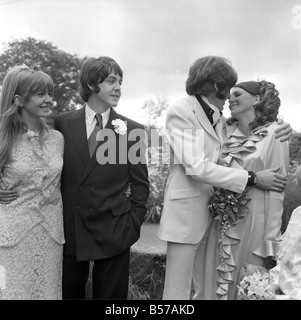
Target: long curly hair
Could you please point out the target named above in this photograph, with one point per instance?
(266, 110)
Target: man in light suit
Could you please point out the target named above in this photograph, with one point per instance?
(100, 221)
(194, 127)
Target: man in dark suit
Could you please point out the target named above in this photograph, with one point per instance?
(100, 221)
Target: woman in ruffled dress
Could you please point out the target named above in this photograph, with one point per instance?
(31, 159)
(250, 143)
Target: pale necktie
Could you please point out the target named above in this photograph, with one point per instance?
(92, 139)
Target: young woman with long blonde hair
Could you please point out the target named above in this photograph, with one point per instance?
(31, 159)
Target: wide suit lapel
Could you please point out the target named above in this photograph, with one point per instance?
(204, 121)
(78, 131)
(219, 129)
(93, 161)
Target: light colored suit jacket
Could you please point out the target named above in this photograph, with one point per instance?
(195, 149)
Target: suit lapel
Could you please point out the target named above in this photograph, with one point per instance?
(201, 117)
(219, 129)
(113, 116)
(77, 127)
(93, 161)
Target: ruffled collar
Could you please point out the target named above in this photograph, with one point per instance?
(237, 143)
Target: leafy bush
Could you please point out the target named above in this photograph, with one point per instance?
(158, 172)
(158, 157)
(292, 197)
(147, 274)
(135, 292)
(295, 146)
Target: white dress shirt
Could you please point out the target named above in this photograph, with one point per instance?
(91, 121)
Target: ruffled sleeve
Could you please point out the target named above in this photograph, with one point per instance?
(276, 156)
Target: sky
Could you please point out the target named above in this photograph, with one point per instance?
(156, 41)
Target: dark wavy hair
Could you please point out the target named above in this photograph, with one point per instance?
(94, 71)
(266, 111)
(207, 71)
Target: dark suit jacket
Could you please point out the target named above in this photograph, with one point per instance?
(99, 220)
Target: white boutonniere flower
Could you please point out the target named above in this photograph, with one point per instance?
(119, 126)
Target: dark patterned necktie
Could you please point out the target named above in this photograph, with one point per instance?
(92, 139)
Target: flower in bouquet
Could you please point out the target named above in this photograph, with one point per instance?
(228, 208)
(257, 286)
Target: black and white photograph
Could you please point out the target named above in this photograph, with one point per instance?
(150, 150)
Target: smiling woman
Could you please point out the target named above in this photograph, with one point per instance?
(37, 101)
(31, 215)
(250, 144)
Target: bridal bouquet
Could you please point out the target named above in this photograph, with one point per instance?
(227, 206)
(257, 286)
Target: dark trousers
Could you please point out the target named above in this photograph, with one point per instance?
(110, 277)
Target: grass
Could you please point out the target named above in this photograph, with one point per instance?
(147, 273)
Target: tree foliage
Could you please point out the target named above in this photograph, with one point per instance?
(295, 147)
(61, 66)
(158, 157)
(155, 109)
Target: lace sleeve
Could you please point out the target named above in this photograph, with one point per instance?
(289, 258)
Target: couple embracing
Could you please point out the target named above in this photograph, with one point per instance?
(240, 154)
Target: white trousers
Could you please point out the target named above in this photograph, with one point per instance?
(185, 264)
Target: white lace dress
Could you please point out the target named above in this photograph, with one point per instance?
(287, 273)
(31, 228)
